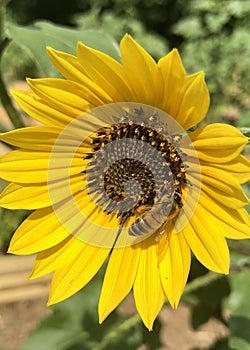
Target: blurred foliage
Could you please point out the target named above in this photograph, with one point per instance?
(155, 15)
(16, 64)
(118, 25)
(58, 11)
(238, 302)
(74, 326)
(34, 40)
(211, 35)
(217, 40)
(9, 222)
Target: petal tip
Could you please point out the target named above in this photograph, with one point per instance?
(126, 39)
(31, 276)
(80, 46)
(102, 314)
(11, 250)
(150, 327)
(50, 301)
(16, 93)
(101, 319)
(174, 303)
(175, 51)
(30, 82)
(51, 52)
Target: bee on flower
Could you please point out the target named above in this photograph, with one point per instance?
(117, 173)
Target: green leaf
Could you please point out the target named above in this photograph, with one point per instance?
(209, 301)
(216, 22)
(246, 187)
(130, 339)
(9, 221)
(240, 326)
(152, 339)
(190, 27)
(221, 344)
(239, 8)
(50, 338)
(245, 131)
(239, 344)
(244, 123)
(74, 325)
(68, 325)
(239, 305)
(35, 38)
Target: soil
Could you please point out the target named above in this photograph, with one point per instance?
(17, 320)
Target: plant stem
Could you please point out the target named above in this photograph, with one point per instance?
(132, 321)
(240, 248)
(113, 335)
(4, 96)
(201, 282)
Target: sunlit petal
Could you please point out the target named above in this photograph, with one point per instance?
(148, 300)
(187, 201)
(79, 263)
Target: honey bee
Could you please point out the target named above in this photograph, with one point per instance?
(149, 222)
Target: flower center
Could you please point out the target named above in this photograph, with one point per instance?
(134, 170)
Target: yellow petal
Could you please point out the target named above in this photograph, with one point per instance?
(39, 138)
(71, 68)
(25, 196)
(39, 110)
(41, 230)
(209, 247)
(48, 260)
(218, 143)
(105, 72)
(43, 138)
(148, 292)
(174, 267)
(142, 72)
(227, 222)
(185, 98)
(79, 264)
(68, 65)
(63, 95)
(244, 216)
(239, 168)
(24, 166)
(119, 279)
(195, 102)
(220, 181)
(172, 68)
(234, 199)
(42, 194)
(174, 75)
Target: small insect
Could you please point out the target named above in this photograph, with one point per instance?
(149, 222)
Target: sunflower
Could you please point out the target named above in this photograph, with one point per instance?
(119, 173)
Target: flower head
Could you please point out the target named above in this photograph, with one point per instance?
(114, 176)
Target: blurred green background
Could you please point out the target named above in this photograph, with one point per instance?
(212, 36)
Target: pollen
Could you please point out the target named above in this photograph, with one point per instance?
(122, 179)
